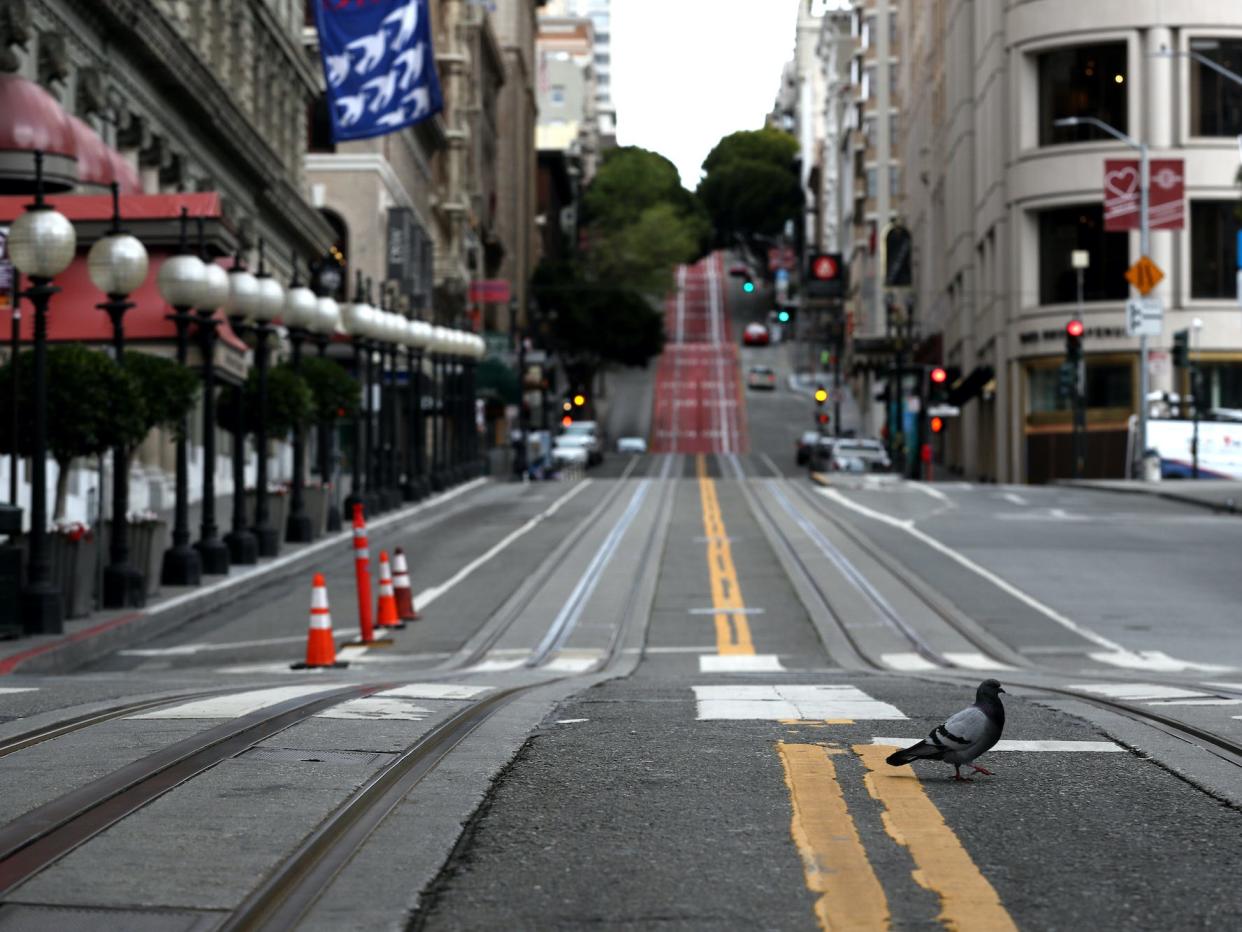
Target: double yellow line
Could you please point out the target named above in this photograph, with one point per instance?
(732, 628)
(835, 860)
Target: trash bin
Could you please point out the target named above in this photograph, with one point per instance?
(1151, 466)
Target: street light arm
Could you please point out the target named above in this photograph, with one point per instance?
(1100, 125)
(1203, 60)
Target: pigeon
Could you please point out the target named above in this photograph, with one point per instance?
(965, 736)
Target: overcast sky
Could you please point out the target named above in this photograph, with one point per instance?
(686, 72)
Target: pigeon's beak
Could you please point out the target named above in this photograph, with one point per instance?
(1000, 689)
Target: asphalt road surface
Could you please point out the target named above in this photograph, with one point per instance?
(660, 696)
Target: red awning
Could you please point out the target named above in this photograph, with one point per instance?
(33, 119)
(73, 315)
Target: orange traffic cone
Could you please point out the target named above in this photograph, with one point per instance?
(386, 611)
(320, 645)
(406, 610)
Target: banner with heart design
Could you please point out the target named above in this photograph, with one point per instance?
(1167, 194)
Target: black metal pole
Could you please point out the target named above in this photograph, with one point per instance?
(243, 548)
(264, 533)
(14, 348)
(212, 551)
(298, 529)
(409, 490)
(357, 490)
(369, 443)
(42, 606)
(327, 450)
(123, 586)
(419, 424)
(182, 566)
(434, 474)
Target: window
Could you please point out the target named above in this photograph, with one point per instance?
(872, 186)
(1109, 385)
(1064, 229)
(1085, 80)
(1214, 229)
(1222, 382)
(1215, 100)
(894, 179)
(557, 95)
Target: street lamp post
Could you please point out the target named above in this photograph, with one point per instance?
(243, 294)
(418, 426)
(437, 414)
(181, 281)
(1144, 249)
(118, 264)
(41, 244)
(212, 551)
(354, 320)
(301, 312)
(328, 317)
(270, 302)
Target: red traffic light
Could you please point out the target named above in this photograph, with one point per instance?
(823, 419)
(1074, 328)
(937, 425)
(938, 375)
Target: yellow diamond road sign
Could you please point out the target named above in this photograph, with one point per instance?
(1144, 275)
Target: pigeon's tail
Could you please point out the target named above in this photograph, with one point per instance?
(924, 750)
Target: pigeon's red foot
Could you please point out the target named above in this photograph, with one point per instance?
(982, 770)
(960, 779)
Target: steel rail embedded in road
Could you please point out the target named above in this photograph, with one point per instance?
(292, 889)
(44, 835)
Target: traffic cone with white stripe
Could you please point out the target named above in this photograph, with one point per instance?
(386, 610)
(320, 645)
(406, 610)
(362, 575)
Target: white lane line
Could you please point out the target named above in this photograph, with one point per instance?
(974, 567)
(6, 690)
(1155, 661)
(571, 721)
(928, 490)
(234, 705)
(429, 595)
(776, 472)
(1197, 702)
(732, 611)
(1094, 747)
(740, 663)
(1138, 691)
(975, 661)
(1014, 498)
(335, 540)
(1225, 685)
(435, 691)
(908, 663)
(671, 650)
(575, 661)
(782, 703)
(188, 650)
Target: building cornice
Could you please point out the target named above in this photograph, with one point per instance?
(366, 163)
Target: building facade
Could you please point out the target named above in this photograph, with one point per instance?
(599, 12)
(999, 197)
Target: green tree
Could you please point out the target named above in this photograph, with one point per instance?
(289, 402)
(93, 404)
(751, 185)
(334, 392)
(168, 391)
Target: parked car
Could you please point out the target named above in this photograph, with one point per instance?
(631, 445)
(860, 455)
(589, 430)
(761, 377)
(756, 334)
(811, 440)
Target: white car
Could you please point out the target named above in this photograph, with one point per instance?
(852, 455)
(589, 430)
(571, 450)
(631, 445)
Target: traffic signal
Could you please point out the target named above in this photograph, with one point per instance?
(748, 286)
(566, 421)
(937, 425)
(567, 406)
(1181, 349)
(821, 395)
(823, 418)
(579, 400)
(783, 316)
(1073, 340)
(939, 379)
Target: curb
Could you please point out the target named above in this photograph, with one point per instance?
(1227, 508)
(68, 652)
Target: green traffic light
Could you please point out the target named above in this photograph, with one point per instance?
(783, 317)
(748, 287)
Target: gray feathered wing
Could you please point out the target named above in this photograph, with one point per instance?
(965, 736)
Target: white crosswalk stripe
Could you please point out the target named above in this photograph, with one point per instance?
(793, 701)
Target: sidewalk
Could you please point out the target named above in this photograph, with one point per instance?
(1221, 495)
(88, 639)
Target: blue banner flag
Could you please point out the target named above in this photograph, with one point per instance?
(379, 65)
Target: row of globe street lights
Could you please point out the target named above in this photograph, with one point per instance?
(42, 244)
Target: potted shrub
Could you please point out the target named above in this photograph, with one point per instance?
(93, 405)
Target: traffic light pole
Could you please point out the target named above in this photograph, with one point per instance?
(1144, 249)
(1079, 405)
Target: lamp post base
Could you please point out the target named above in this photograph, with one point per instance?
(334, 518)
(392, 498)
(410, 491)
(299, 529)
(437, 482)
(123, 587)
(42, 610)
(243, 548)
(214, 555)
(268, 540)
(181, 567)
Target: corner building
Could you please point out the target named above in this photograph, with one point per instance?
(998, 197)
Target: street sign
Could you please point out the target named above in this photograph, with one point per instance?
(1144, 317)
(490, 291)
(782, 257)
(944, 411)
(826, 278)
(1166, 195)
(1144, 275)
